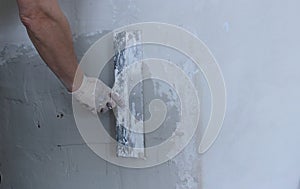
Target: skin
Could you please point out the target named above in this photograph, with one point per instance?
(51, 35)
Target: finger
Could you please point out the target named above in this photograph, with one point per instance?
(103, 109)
(109, 105)
(114, 104)
(120, 102)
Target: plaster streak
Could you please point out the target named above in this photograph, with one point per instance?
(188, 168)
(10, 52)
(124, 12)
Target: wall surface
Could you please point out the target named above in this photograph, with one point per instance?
(256, 44)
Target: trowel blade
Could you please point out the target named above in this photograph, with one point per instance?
(129, 124)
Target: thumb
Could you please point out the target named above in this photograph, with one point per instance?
(118, 100)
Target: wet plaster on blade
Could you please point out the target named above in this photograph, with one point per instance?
(130, 126)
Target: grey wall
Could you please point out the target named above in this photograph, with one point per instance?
(256, 44)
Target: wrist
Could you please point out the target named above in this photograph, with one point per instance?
(78, 82)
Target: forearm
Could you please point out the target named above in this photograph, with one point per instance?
(50, 33)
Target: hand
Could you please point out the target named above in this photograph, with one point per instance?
(94, 95)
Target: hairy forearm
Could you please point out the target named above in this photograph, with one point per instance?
(50, 33)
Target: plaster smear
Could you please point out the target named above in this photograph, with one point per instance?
(9, 52)
(188, 165)
(124, 12)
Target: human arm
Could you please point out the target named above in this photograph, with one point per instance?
(50, 33)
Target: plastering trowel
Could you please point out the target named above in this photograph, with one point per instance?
(128, 69)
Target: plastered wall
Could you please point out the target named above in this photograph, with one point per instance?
(256, 44)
